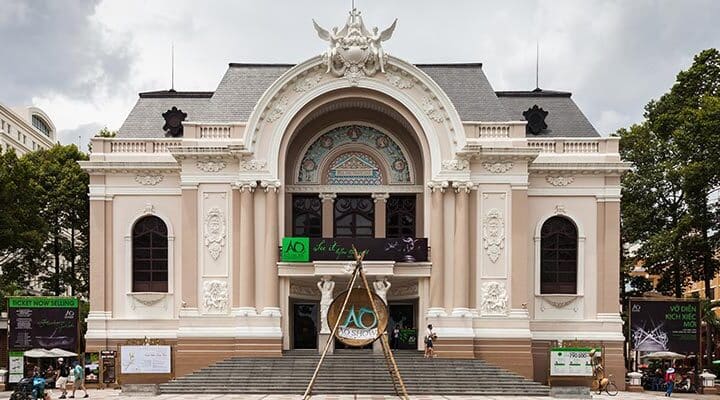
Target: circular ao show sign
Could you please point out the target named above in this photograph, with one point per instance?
(358, 323)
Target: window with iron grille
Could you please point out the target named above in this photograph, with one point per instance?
(558, 256)
(150, 255)
(400, 216)
(307, 216)
(354, 217)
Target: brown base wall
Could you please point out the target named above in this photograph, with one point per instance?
(454, 348)
(195, 354)
(511, 354)
(189, 355)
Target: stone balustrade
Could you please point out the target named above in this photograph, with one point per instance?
(115, 145)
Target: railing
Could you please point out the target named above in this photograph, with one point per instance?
(128, 146)
(494, 131)
(584, 146)
(215, 131)
(142, 146)
(545, 146)
(561, 145)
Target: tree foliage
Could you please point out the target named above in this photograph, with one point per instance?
(44, 222)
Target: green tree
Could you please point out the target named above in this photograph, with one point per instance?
(22, 229)
(65, 209)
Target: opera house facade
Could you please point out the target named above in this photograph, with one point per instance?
(221, 221)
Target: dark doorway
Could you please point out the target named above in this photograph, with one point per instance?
(305, 325)
(403, 314)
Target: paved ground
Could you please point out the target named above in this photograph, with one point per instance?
(115, 395)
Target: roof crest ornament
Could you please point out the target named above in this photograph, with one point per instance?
(354, 51)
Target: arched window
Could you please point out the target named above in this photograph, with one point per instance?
(307, 215)
(558, 256)
(41, 125)
(354, 217)
(150, 255)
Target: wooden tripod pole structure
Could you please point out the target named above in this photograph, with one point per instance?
(398, 383)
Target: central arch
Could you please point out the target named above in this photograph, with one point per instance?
(420, 101)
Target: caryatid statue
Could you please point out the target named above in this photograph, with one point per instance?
(381, 288)
(326, 286)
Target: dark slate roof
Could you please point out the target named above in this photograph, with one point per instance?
(243, 84)
(564, 118)
(145, 119)
(240, 89)
(468, 89)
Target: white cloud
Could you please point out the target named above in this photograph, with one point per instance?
(94, 57)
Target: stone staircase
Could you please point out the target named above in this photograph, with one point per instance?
(353, 372)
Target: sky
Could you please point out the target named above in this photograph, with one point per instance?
(84, 61)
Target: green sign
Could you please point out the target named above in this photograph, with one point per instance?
(43, 302)
(295, 249)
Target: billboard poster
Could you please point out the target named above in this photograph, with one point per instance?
(43, 322)
(570, 361)
(16, 366)
(302, 249)
(665, 325)
(153, 359)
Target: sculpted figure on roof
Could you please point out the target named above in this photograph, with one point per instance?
(354, 51)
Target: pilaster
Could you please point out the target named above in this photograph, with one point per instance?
(461, 242)
(270, 304)
(437, 241)
(380, 200)
(189, 223)
(328, 200)
(246, 277)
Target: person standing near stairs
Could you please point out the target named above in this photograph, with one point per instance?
(395, 339)
(430, 336)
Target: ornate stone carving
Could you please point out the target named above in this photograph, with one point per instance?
(307, 83)
(300, 290)
(277, 109)
(211, 166)
(148, 180)
(455, 165)
(270, 185)
(215, 296)
(215, 232)
(498, 167)
(148, 299)
(560, 209)
(493, 234)
(559, 180)
(326, 286)
(381, 288)
(253, 165)
(354, 51)
(432, 110)
(149, 209)
(327, 197)
(398, 80)
(559, 302)
(494, 298)
(408, 290)
(380, 197)
(463, 186)
(438, 185)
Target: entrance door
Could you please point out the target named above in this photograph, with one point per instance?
(403, 315)
(305, 325)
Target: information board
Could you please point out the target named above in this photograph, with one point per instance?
(665, 325)
(16, 366)
(43, 322)
(107, 357)
(145, 359)
(570, 361)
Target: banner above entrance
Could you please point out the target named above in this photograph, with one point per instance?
(303, 249)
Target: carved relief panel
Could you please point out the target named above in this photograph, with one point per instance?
(493, 241)
(214, 233)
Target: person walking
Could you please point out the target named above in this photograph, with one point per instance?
(61, 380)
(430, 336)
(395, 338)
(79, 383)
(670, 381)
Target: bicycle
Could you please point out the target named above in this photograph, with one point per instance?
(608, 385)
